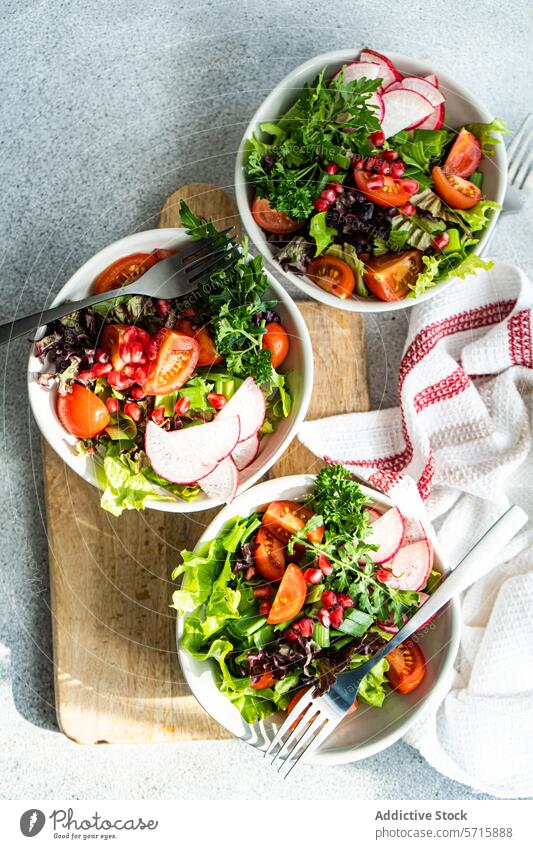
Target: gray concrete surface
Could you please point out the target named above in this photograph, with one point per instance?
(105, 109)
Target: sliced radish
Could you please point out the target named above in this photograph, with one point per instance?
(413, 530)
(387, 72)
(375, 102)
(356, 70)
(248, 404)
(372, 514)
(245, 452)
(433, 79)
(387, 534)
(411, 566)
(403, 109)
(188, 455)
(222, 482)
(423, 87)
(433, 121)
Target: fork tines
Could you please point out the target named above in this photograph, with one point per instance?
(209, 254)
(308, 725)
(520, 154)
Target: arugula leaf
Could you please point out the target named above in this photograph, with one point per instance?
(321, 232)
(197, 228)
(484, 132)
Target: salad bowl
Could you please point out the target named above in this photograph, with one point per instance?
(462, 108)
(298, 370)
(368, 730)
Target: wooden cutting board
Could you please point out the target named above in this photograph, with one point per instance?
(117, 677)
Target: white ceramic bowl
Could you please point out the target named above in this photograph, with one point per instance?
(461, 108)
(370, 729)
(298, 366)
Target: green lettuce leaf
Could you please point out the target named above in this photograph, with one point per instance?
(477, 217)
(372, 687)
(321, 232)
(348, 254)
(484, 132)
(124, 487)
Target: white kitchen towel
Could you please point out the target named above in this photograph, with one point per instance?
(463, 432)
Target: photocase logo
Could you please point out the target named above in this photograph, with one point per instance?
(32, 822)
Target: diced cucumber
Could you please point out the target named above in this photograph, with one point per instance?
(355, 623)
(454, 243)
(321, 635)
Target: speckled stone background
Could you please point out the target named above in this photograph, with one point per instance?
(105, 109)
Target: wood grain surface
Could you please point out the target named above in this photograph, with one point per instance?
(117, 677)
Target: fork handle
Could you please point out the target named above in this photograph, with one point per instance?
(30, 323)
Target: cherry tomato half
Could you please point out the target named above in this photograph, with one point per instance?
(271, 220)
(456, 192)
(391, 193)
(265, 680)
(81, 412)
(177, 356)
(407, 667)
(465, 155)
(290, 596)
(276, 340)
(333, 275)
(269, 556)
(388, 276)
(127, 269)
(285, 518)
(208, 355)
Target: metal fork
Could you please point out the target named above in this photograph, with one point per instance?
(313, 719)
(173, 277)
(520, 158)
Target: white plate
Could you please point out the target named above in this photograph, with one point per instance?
(368, 730)
(461, 108)
(298, 365)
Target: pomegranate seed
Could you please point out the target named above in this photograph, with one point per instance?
(182, 405)
(216, 400)
(411, 186)
(140, 374)
(138, 393)
(305, 627)
(125, 353)
(397, 170)
(336, 617)
(133, 411)
(328, 598)
(338, 188)
(383, 574)
(376, 182)
(162, 307)
(331, 168)
(99, 369)
(151, 350)
(158, 414)
(329, 195)
(377, 138)
(137, 353)
(119, 380)
(130, 370)
(101, 356)
(313, 576)
(87, 376)
(112, 404)
(345, 600)
(384, 168)
(323, 617)
(441, 241)
(408, 209)
(390, 155)
(264, 608)
(324, 565)
(264, 592)
(291, 635)
(320, 204)
(370, 163)
(358, 164)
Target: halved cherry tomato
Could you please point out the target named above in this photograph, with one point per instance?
(208, 355)
(271, 220)
(333, 275)
(127, 269)
(465, 155)
(177, 355)
(391, 193)
(388, 276)
(290, 597)
(456, 192)
(276, 340)
(285, 518)
(407, 667)
(264, 681)
(298, 695)
(269, 555)
(81, 412)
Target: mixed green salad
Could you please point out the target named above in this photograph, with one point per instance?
(146, 384)
(362, 187)
(286, 598)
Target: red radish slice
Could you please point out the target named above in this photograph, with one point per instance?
(433, 79)
(387, 72)
(356, 70)
(375, 102)
(433, 121)
(423, 87)
(188, 455)
(403, 109)
(413, 530)
(411, 566)
(248, 404)
(387, 534)
(372, 514)
(222, 482)
(245, 452)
